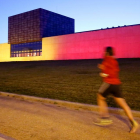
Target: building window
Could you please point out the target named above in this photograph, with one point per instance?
(26, 49)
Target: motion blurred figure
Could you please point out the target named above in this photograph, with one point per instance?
(111, 85)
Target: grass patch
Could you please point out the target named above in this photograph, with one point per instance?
(76, 81)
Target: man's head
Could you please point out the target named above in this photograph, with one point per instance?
(109, 51)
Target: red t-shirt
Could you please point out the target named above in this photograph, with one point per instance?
(112, 69)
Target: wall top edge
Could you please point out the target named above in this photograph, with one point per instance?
(3, 43)
(96, 30)
(110, 28)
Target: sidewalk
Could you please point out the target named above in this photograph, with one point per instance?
(3, 137)
(68, 104)
(31, 118)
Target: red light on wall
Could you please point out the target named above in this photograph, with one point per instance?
(90, 45)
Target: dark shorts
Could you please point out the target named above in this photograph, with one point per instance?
(107, 89)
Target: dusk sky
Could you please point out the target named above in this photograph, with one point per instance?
(88, 14)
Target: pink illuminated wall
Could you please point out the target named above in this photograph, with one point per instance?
(91, 44)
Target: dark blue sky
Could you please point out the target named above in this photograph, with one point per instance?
(88, 14)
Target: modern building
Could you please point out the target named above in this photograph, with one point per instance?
(43, 35)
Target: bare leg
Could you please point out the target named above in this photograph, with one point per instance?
(103, 108)
(128, 112)
(122, 103)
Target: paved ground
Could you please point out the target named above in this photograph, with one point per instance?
(37, 120)
(4, 137)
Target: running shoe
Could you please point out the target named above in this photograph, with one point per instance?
(103, 121)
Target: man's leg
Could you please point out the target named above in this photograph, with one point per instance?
(103, 108)
(122, 103)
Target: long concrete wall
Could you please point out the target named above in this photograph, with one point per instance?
(84, 45)
(90, 45)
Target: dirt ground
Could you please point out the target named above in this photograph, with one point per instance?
(29, 120)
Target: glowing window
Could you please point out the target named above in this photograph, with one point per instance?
(26, 49)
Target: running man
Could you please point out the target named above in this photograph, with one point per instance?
(111, 84)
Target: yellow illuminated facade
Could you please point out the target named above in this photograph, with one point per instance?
(49, 50)
(4, 52)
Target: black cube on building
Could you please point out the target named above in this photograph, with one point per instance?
(32, 26)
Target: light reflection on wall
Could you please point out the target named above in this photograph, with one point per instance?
(90, 45)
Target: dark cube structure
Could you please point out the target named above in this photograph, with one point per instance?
(32, 26)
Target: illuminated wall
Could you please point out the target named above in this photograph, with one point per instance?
(4, 52)
(85, 45)
(5, 55)
(91, 44)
